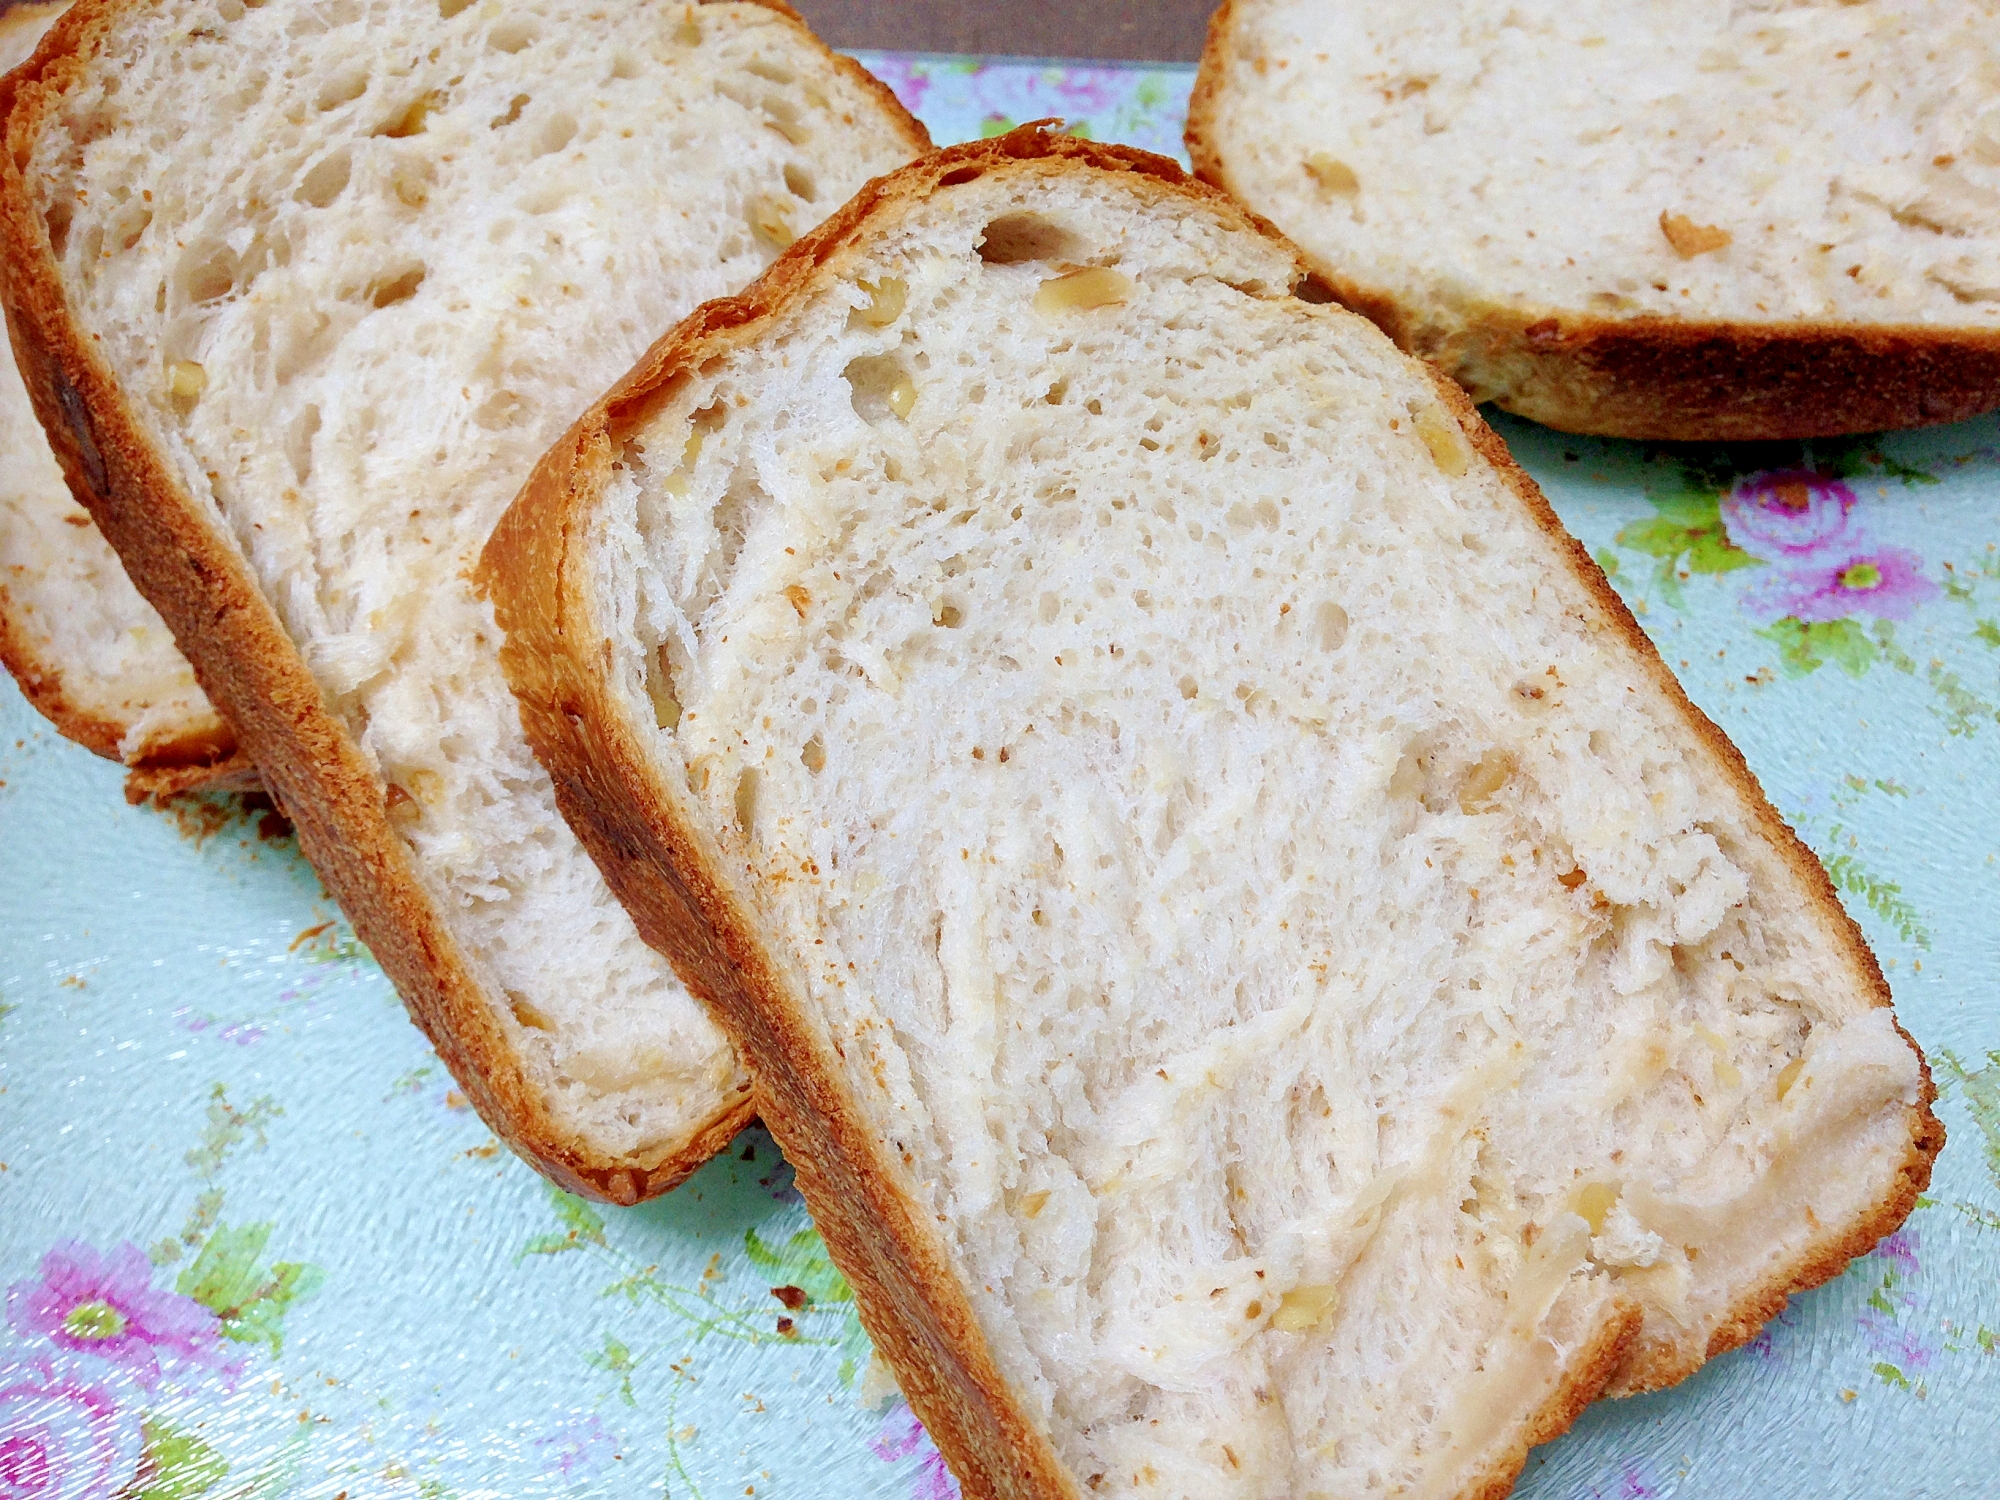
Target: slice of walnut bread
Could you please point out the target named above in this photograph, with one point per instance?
(93, 656)
(1648, 218)
(1269, 987)
(302, 290)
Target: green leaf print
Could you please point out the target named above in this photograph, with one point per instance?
(176, 1465)
(1981, 1090)
(1888, 1374)
(1687, 537)
(582, 1225)
(1804, 648)
(616, 1358)
(1883, 897)
(252, 1303)
(803, 1263)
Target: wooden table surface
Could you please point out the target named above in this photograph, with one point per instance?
(1163, 31)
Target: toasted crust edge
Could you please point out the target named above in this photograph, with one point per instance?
(250, 669)
(661, 866)
(1660, 378)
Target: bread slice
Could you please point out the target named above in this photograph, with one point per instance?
(1269, 986)
(95, 658)
(302, 291)
(1646, 218)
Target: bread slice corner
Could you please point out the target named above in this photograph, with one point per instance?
(1269, 986)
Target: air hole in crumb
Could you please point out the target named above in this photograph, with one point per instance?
(1190, 689)
(1014, 238)
(58, 219)
(299, 442)
(881, 387)
(813, 755)
(400, 288)
(511, 35)
(556, 132)
(1311, 289)
(961, 175)
(326, 178)
(746, 800)
(774, 72)
(950, 616)
(526, 1013)
(514, 107)
(211, 277)
(1330, 625)
(800, 181)
(501, 409)
(450, 8)
(625, 65)
(413, 119)
(341, 89)
(660, 688)
(1056, 393)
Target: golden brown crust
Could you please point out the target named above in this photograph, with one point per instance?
(667, 874)
(1653, 377)
(1581, 1384)
(251, 670)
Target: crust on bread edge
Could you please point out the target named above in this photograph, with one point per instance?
(667, 873)
(254, 674)
(1660, 378)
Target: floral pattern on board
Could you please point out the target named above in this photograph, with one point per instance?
(106, 1306)
(65, 1433)
(903, 1437)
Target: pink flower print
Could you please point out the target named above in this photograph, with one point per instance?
(1886, 582)
(576, 1447)
(63, 1436)
(1900, 1250)
(1901, 1346)
(1787, 515)
(107, 1306)
(903, 1435)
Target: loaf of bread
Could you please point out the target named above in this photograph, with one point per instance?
(93, 656)
(1269, 986)
(1646, 218)
(301, 291)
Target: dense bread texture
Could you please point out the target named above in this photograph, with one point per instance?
(1270, 988)
(88, 651)
(303, 290)
(1647, 218)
